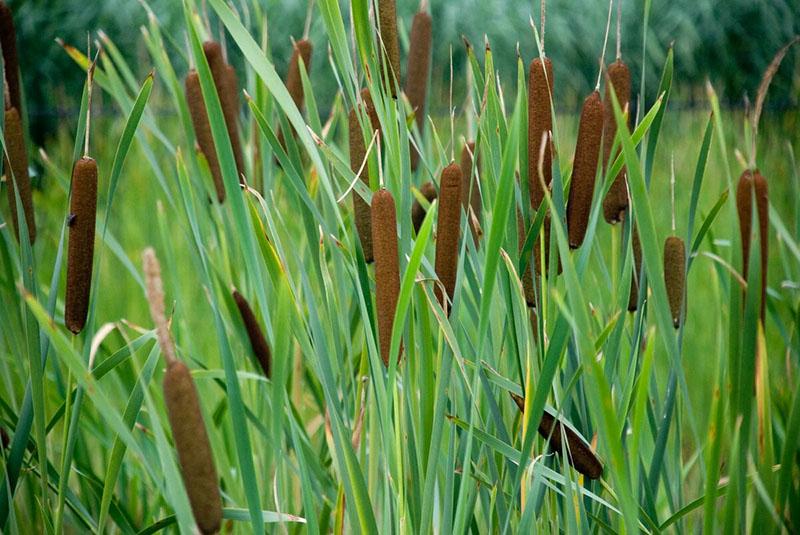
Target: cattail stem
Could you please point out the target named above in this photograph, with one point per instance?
(448, 232)
(202, 131)
(258, 342)
(418, 212)
(584, 169)
(540, 125)
(358, 153)
(619, 78)
(80, 250)
(675, 276)
(417, 72)
(387, 14)
(16, 169)
(8, 43)
(387, 267)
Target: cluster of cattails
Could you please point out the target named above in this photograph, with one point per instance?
(16, 164)
(80, 249)
(448, 232)
(226, 84)
(752, 186)
(258, 342)
(387, 266)
(185, 418)
(301, 51)
(580, 454)
(417, 71)
(358, 153)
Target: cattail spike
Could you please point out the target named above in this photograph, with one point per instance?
(470, 190)
(358, 152)
(417, 72)
(387, 13)
(387, 267)
(540, 124)
(753, 183)
(202, 130)
(258, 342)
(448, 231)
(16, 164)
(80, 250)
(428, 190)
(294, 82)
(675, 277)
(8, 43)
(619, 77)
(226, 84)
(636, 245)
(584, 169)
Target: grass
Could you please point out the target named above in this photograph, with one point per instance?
(695, 427)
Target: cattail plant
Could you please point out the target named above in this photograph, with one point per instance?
(752, 183)
(358, 153)
(202, 130)
(387, 267)
(540, 127)
(80, 250)
(448, 231)
(258, 343)
(675, 276)
(17, 179)
(428, 190)
(8, 42)
(470, 191)
(633, 296)
(301, 49)
(227, 90)
(580, 454)
(584, 169)
(387, 15)
(183, 410)
(619, 80)
(418, 70)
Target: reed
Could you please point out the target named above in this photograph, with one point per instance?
(418, 212)
(470, 191)
(17, 179)
(358, 152)
(8, 42)
(189, 432)
(540, 123)
(202, 131)
(387, 13)
(418, 71)
(80, 250)
(448, 232)
(753, 183)
(675, 277)
(258, 342)
(226, 84)
(387, 267)
(633, 296)
(618, 78)
(580, 454)
(584, 169)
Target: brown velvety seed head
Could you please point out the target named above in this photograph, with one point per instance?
(227, 90)
(527, 276)
(80, 251)
(447, 231)
(17, 165)
(417, 72)
(675, 276)
(582, 458)
(540, 121)
(357, 153)
(428, 191)
(294, 83)
(616, 202)
(753, 183)
(470, 191)
(387, 13)
(633, 296)
(584, 169)
(202, 130)
(194, 450)
(8, 43)
(258, 342)
(387, 267)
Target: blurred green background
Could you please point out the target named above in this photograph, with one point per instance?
(729, 42)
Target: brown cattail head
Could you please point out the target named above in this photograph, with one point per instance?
(227, 90)
(540, 123)
(581, 456)
(17, 165)
(675, 276)
(194, 449)
(527, 275)
(80, 251)
(447, 231)
(8, 42)
(428, 191)
(584, 169)
(470, 190)
(258, 342)
(633, 296)
(752, 183)
(294, 82)
(387, 267)
(358, 152)
(616, 202)
(388, 44)
(417, 71)
(202, 130)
